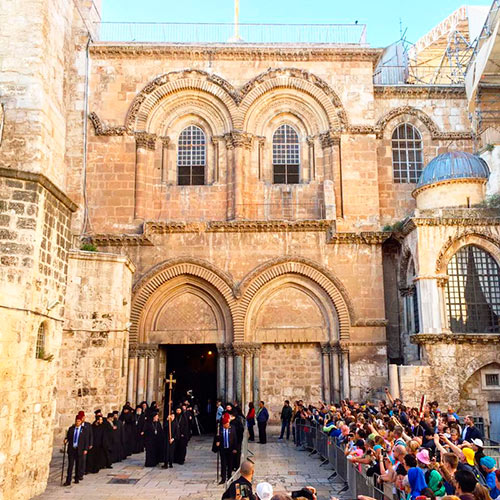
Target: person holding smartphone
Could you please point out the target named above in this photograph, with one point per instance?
(241, 488)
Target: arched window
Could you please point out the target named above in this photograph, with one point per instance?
(191, 157)
(473, 291)
(286, 155)
(40, 341)
(407, 158)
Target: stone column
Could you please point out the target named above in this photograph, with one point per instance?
(247, 393)
(145, 143)
(151, 357)
(346, 383)
(221, 372)
(238, 374)
(335, 369)
(141, 377)
(230, 373)
(325, 370)
(240, 143)
(429, 304)
(131, 376)
(256, 374)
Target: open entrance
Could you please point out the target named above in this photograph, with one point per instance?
(195, 368)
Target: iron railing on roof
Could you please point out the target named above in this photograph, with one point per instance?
(250, 33)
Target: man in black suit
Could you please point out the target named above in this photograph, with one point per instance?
(227, 443)
(78, 440)
(88, 429)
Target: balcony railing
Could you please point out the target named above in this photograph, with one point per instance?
(245, 33)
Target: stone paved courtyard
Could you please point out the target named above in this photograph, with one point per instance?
(277, 462)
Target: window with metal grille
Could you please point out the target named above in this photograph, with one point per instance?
(286, 155)
(491, 379)
(191, 157)
(40, 342)
(473, 291)
(407, 157)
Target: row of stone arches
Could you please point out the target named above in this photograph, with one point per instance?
(287, 303)
(234, 305)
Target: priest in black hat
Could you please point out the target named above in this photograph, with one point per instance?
(154, 440)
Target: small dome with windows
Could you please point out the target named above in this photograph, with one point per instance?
(452, 179)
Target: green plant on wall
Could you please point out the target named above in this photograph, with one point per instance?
(88, 247)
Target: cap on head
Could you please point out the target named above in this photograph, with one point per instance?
(264, 491)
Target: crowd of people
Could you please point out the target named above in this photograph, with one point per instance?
(424, 453)
(118, 435)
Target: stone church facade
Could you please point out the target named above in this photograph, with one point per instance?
(241, 196)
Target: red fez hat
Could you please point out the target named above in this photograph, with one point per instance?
(225, 418)
(80, 415)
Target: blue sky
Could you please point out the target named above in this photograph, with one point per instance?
(381, 17)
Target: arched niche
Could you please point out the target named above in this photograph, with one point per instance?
(291, 308)
(185, 310)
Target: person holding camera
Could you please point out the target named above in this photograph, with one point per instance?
(241, 488)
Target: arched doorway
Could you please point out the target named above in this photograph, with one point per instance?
(182, 317)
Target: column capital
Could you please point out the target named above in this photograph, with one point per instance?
(326, 348)
(147, 351)
(246, 348)
(145, 140)
(238, 139)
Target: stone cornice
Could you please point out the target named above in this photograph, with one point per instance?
(361, 238)
(456, 338)
(101, 128)
(40, 179)
(420, 91)
(379, 322)
(120, 240)
(151, 227)
(284, 52)
(456, 221)
(145, 140)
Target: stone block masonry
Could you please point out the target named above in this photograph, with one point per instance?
(94, 353)
(34, 243)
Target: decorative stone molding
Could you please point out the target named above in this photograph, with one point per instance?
(378, 322)
(238, 139)
(407, 291)
(248, 52)
(456, 338)
(326, 348)
(425, 119)
(361, 238)
(102, 129)
(455, 221)
(361, 129)
(467, 180)
(146, 351)
(420, 91)
(246, 348)
(367, 343)
(119, 240)
(260, 276)
(442, 281)
(145, 140)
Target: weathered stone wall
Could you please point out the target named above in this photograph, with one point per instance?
(34, 242)
(289, 371)
(94, 353)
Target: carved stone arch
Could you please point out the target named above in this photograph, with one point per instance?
(278, 102)
(183, 103)
(256, 279)
(468, 236)
(173, 82)
(166, 271)
(422, 117)
(300, 80)
(477, 363)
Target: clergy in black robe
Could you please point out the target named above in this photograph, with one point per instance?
(139, 421)
(127, 418)
(108, 441)
(168, 429)
(119, 437)
(96, 459)
(154, 439)
(180, 430)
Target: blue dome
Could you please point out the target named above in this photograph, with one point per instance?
(453, 165)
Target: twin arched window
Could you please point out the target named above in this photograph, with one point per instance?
(407, 157)
(191, 157)
(473, 291)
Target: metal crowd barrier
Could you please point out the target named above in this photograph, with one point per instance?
(318, 443)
